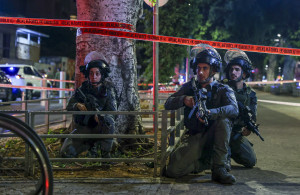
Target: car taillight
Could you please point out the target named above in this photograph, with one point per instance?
(19, 76)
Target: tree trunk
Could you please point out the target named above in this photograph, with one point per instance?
(289, 68)
(288, 74)
(272, 67)
(119, 53)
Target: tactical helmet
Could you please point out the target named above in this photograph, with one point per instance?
(203, 53)
(237, 57)
(101, 64)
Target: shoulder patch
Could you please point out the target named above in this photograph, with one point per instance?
(225, 81)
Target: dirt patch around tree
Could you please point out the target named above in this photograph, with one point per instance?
(15, 147)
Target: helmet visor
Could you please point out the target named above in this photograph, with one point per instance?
(202, 47)
(235, 53)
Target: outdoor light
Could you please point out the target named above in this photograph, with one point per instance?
(19, 76)
(266, 67)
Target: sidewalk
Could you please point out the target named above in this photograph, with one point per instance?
(249, 181)
(277, 171)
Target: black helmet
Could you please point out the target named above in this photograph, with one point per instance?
(203, 53)
(237, 57)
(101, 64)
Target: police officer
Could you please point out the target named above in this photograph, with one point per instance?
(237, 70)
(204, 147)
(97, 94)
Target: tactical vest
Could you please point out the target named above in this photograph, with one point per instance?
(243, 96)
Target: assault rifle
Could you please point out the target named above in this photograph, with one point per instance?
(200, 106)
(247, 116)
(91, 105)
(89, 101)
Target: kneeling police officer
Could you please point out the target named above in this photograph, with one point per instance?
(95, 94)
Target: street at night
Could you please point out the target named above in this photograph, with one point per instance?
(149, 97)
(277, 170)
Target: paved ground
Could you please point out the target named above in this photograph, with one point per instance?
(277, 170)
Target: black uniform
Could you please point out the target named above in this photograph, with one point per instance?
(195, 151)
(104, 99)
(241, 148)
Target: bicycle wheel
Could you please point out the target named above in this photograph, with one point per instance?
(13, 169)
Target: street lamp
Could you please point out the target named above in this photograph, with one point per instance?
(264, 78)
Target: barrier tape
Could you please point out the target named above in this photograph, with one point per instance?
(35, 88)
(67, 81)
(159, 84)
(150, 91)
(151, 84)
(65, 23)
(185, 41)
(141, 91)
(64, 89)
(89, 27)
(272, 82)
(249, 83)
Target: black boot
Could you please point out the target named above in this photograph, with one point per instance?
(228, 165)
(220, 174)
(105, 154)
(93, 152)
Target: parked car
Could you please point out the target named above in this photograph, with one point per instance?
(24, 75)
(5, 93)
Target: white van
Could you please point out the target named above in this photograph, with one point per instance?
(24, 75)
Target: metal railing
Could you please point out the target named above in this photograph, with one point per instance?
(95, 136)
(46, 103)
(171, 133)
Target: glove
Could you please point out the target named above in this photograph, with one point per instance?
(81, 107)
(245, 131)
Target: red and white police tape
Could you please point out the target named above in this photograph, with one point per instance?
(100, 28)
(142, 91)
(64, 23)
(185, 41)
(35, 88)
(66, 81)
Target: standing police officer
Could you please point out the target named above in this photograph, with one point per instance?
(204, 144)
(238, 69)
(94, 94)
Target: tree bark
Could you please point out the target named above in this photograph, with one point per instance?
(119, 53)
(272, 67)
(289, 68)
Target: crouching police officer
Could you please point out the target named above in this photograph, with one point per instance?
(94, 94)
(238, 69)
(204, 146)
